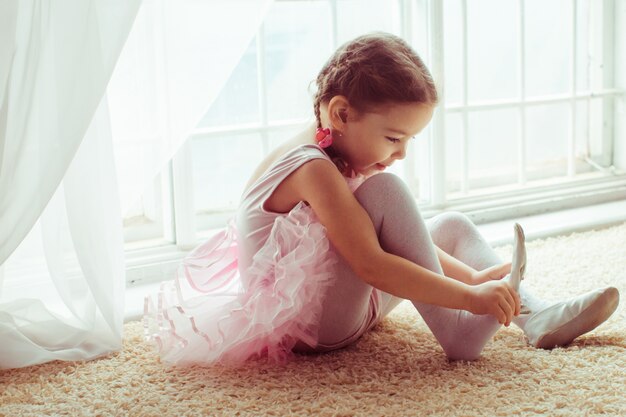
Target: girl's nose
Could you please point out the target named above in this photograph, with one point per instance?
(400, 153)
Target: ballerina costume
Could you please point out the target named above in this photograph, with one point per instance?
(254, 289)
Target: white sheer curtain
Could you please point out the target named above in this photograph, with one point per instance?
(178, 57)
(57, 58)
(61, 249)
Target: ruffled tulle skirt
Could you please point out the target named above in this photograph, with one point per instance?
(210, 313)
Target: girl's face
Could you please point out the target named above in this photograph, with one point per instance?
(372, 141)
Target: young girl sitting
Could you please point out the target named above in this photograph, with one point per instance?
(326, 244)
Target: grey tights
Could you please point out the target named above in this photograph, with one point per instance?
(347, 312)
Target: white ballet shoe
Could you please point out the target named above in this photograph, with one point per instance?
(518, 262)
(561, 323)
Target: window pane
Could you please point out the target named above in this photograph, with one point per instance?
(297, 43)
(453, 47)
(492, 147)
(238, 101)
(583, 135)
(548, 46)
(357, 17)
(492, 49)
(281, 135)
(547, 130)
(454, 156)
(145, 219)
(600, 141)
(582, 45)
(221, 169)
(419, 28)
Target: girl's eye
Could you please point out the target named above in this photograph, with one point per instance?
(392, 140)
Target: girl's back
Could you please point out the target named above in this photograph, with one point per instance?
(269, 195)
(276, 202)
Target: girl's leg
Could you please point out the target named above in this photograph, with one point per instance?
(401, 231)
(548, 324)
(456, 235)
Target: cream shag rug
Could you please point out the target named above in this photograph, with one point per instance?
(395, 370)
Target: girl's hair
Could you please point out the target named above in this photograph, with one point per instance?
(375, 69)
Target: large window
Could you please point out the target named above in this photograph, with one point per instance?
(527, 112)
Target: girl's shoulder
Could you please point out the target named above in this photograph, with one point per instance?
(290, 160)
(302, 145)
(274, 189)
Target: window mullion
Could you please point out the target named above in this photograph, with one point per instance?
(571, 151)
(608, 60)
(465, 130)
(619, 82)
(534, 101)
(437, 139)
(521, 143)
(167, 203)
(601, 78)
(182, 184)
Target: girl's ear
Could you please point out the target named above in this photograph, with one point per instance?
(338, 110)
(343, 115)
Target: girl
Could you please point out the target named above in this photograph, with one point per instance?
(326, 244)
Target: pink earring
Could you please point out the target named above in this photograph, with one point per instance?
(323, 137)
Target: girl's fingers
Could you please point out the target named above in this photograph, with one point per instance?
(510, 298)
(500, 315)
(504, 316)
(515, 301)
(509, 304)
(515, 305)
(508, 312)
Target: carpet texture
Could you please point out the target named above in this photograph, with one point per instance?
(397, 369)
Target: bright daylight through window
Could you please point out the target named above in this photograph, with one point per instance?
(529, 102)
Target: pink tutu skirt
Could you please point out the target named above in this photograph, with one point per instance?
(210, 313)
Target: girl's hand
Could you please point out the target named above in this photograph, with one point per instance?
(492, 273)
(495, 298)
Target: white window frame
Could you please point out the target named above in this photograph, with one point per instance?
(609, 185)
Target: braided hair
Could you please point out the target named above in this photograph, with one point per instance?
(374, 69)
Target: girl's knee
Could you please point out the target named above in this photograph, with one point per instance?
(462, 352)
(382, 183)
(462, 344)
(386, 191)
(454, 220)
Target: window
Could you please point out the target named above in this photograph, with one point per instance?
(532, 106)
(527, 110)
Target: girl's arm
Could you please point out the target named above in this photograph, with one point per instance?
(351, 231)
(454, 268)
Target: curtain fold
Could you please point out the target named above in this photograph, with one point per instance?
(58, 61)
(83, 98)
(60, 234)
(70, 306)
